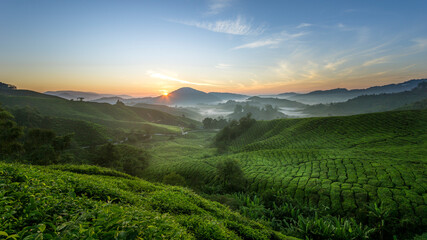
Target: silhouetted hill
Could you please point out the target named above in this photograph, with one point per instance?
(86, 95)
(342, 94)
(370, 103)
(228, 96)
(276, 102)
(186, 96)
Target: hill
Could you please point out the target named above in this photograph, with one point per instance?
(105, 114)
(415, 106)
(276, 102)
(340, 164)
(82, 202)
(228, 96)
(86, 95)
(370, 103)
(177, 111)
(342, 94)
(186, 96)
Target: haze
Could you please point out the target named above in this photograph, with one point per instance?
(146, 48)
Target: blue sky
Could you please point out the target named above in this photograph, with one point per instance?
(146, 47)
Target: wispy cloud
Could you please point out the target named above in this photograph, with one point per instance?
(420, 43)
(238, 26)
(334, 65)
(303, 25)
(169, 78)
(375, 61)
(260, 43)
(222, 66)
(271, 42)
(217, 6)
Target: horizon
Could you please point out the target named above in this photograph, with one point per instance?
(245, 47)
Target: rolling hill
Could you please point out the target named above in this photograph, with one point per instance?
(341, 164)
(105, 114)
(86, 95)
(370, 103)
(86, 202)
(342, 94)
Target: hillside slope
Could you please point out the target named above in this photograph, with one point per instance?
(338, 163)
(83, 202)
(116, 116)
(370, 103)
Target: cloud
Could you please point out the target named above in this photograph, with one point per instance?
(375, 61)
(222, 66)
(334, 65)
(235, 27)
(420, 43)
(217, 6)
(261, 43)
(165, 77)
(271, 41)
(303, 25)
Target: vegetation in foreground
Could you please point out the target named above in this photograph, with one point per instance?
(338, 166)
(86, 202)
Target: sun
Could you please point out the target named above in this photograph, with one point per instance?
(165, 93)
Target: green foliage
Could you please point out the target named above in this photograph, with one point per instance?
(213, 123)
(174, 179)
(267, 112)
(340, 165)
(39, 202)
(122, 157)
(233, 130)
(43, 147)
(10, 133)
(230, 175)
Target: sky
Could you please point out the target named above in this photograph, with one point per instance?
(144, 48)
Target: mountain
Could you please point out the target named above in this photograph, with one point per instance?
(186, 96)
(276, 102)
(86, 95)
(110, 100)
(342, 94)
(228, 96)
(370, 103)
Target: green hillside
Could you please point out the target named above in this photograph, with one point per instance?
(370, 103)
(111, 116)
(84, 202)
(342, 164)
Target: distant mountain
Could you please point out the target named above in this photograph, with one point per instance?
(372, 103)
(185, 96)
(288, 94)
(88, 96)
(342, 94)
(110, 100)
(276, 102)
(228, 96)
(177, 111)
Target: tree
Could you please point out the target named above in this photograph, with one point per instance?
(207, 123)
(230, 175)
(106, 155)
(174, 179)
(43, 147)
(10, 133)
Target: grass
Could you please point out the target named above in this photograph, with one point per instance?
(342, 164)
(75, 202)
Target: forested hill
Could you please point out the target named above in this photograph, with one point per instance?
(110, 115)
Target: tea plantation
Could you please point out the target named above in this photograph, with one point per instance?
(340, 164)
(86, 202)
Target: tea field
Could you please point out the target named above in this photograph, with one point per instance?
(340, 164)
(86, 202)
